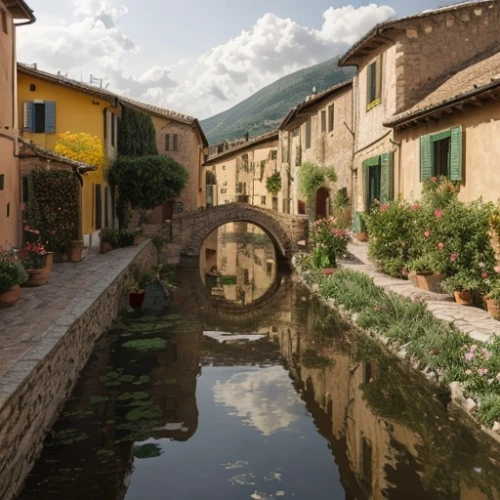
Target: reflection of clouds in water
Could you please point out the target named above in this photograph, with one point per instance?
(265, 397)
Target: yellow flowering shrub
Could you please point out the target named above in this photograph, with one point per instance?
(81, 147)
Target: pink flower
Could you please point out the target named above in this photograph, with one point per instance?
(427, 234)
(482, 371)
(469, 357)
(453, 257)
(434, 179)
(497, 269)
(36, 231)
(26, 227)
(473, 348)
(440, 246)
(486, 354)
(438, 213)
(415, 206)
(484, 275)
(384, 207)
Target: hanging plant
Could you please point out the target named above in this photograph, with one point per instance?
(273, 183)
(312, 177)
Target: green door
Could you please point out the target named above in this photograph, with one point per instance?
(374, 182)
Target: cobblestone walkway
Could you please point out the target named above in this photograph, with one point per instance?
(474, 321)
(23, 325)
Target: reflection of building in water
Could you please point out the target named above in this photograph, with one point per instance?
(238, 262)
(391, 438)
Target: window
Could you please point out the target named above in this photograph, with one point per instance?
(323, 121)
(378, 173)
(441, 154)
(275, 203)
(374, 77)
(246, 280)
(4, 21)
(2, 182)
(269, 268)
(40, 117)
(223, 167)
(98, 206)
(331, 117)
(244, 160)
(113, 129)
(171, 142)
(263, 200)
(308, 133)
(8, 210)
(274, 154)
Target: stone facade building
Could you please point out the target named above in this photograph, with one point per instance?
(398, 67)
(13, 13)
(318, 131)
(240, 174)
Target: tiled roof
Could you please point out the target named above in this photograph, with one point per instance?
(269, 136)
(20, 9)
(168, 113)
(473, 79)
(394, 22)
(37, 150)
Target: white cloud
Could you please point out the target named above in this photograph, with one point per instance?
(264, 398)
(93, 42)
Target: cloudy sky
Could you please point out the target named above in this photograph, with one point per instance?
(198, 57)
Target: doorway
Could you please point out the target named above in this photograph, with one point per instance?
(322, 198)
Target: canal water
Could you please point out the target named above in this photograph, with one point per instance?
(243, 386)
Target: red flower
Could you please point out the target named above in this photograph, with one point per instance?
(427, 234)
(440, 246)
(438, 213)
(384, 207)
(453, 257)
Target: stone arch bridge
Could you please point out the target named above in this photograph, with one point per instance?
(190, 229)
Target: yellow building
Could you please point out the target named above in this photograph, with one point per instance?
(13, 13)
(53, 104)
(240, 173)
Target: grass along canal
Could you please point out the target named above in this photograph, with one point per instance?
(304, 408)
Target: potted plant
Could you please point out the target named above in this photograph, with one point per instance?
(34, 259)
(429, 276)
(137, 292)
(109, 239)
(75, 252)
(493, 302)
(462, 285)
(12, 275)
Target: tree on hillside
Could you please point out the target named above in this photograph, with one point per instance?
(136, 134)
(145, 182)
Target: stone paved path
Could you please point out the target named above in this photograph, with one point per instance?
(474, 321)
(23, 325)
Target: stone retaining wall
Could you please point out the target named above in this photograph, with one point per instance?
(34, 390)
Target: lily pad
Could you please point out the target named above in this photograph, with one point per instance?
(146, 345)
(149, 450)
(69, 436)
(170, 381)
(142, 413)
(143, 379)
(95, 400)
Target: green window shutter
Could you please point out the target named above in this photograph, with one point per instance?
(50, 117)
(455, 167)
(386, 177)
(426, 158)
(372, 162)
(29, 116)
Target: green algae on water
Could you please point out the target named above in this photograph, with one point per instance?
(146, 345)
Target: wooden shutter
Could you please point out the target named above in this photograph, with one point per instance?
(167, 142)
(50, 117)
(456, 162)
(426, 158)
(29, 116)
(176, 142)
(386, 177)
(323, 121)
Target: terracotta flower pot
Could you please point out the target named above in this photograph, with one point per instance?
(136, 299)
(464, 298)
(37, 277)
(106, 247)
(10, 297)
(430, 282)
(362, 237)
(75, 254)
(412, 278)
(49, 260)
(493, 308)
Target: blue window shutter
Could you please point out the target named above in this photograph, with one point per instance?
(426, 158)
(455, 167)
(29, 116)
(50, 117)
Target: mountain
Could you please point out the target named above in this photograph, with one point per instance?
(264, 111)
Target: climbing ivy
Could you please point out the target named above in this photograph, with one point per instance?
(312, 177)
(136, 134)
(273, 183)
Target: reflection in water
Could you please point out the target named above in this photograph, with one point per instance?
(238, 263)
(197, 418)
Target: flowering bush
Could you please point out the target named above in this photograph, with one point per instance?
(33, 255)
(12, 272)
(81, 147)
(330, 242)
(438, 192)
(394, 239)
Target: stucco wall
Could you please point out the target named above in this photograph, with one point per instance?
(9, 196)
(481, 153)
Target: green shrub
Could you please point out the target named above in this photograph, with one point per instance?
(12, 272)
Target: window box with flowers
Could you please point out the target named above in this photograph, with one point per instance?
(12, 275)
(37, 262)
